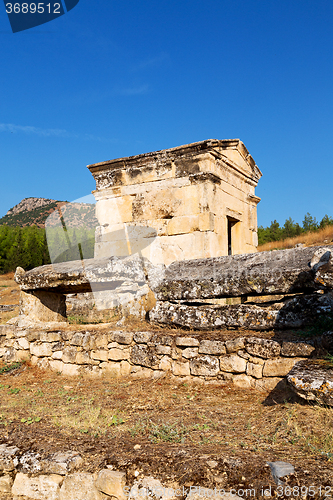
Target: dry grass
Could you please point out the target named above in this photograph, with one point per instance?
(165, 411)
(321, 237)
(9, 295)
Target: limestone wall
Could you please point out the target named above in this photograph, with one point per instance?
(246, 362)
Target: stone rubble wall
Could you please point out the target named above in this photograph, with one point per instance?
(61, 476)
(246, 362)
(28, 476)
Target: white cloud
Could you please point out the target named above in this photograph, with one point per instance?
(49, 132)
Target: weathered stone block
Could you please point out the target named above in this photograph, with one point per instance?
(161, 340)
(206, 366)
(101, 355)
(125, 368)
(140, 372)
(187, 342)
(80, 486)
(123, 337)
(234, 345)
(56, 365)
(6, 483)
(144, 355)
(190, 352)
(38, 487)
(163, 349)
(278, 367)
(212, 347)
(254, 370)
(180, 369)
(165, 364)
(101, 340)
(77, 339)
(118, 354)
(262, 347)
(111, 483)
(43, 306)
(69, 354)
(312, 381)
(267, 383)
(41, 350)
(142, 337)
(7, 456)
(62, 463)
(297, 349)
(57, 355)
(82, 358)
(50, 336)
(23, 343)
(232, 363)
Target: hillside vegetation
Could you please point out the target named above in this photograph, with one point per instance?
(310, 233)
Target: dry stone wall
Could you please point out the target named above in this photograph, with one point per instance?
(245, 361)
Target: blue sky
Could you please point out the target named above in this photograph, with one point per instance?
(119, 78)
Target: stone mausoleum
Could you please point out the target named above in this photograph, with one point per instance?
(189, 202)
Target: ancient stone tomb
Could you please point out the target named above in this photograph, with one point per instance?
(188, 202)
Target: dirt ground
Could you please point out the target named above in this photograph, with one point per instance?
(188, 434)
(183, 434)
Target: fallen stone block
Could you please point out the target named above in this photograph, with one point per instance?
(298, 311)
(278, 272)
(312, 380)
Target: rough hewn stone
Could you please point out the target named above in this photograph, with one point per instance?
(294, 312)
(212, 347)
(80, 486)
(180, 369)
(37, 488)
(234, 345)
(6, 483)
(278, 367)
(62, 463)
(262, 347)
(190, 352)
(282, 271)
(118, 354)
(232, 363)
(187, 342)
(142, 337)
(297, 349)
(7, 457)
(41, 350)
(205, 365)
(111, 483)
(254, 370)
(123, 337)
(144, 355)
(312, 380)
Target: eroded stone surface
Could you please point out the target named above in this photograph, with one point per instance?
(312, 380)
(281, 271)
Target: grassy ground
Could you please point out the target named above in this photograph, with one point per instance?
(104, 419)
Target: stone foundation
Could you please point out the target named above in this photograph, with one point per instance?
(248, 362)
